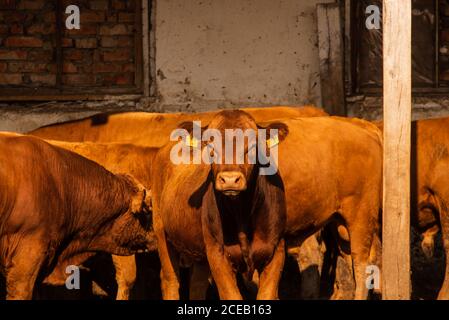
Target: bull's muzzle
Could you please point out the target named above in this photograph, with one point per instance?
(230, 183)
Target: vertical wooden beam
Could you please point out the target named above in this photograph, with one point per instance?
(331, 54)
(146, 47)
(396, 168)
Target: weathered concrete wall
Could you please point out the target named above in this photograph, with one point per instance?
(424, 107)
(222, 54)
(216, 53)
(24, 117)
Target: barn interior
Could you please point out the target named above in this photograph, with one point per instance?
(200, 55)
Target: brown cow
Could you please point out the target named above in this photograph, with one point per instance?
(117, 158)
(308, 254)
(227, 213)
(54, 202)
(429, 189)
(331, 169)
(151, 129)
(429, 193)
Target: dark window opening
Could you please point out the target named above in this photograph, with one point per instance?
(430, 48)
(39, 56)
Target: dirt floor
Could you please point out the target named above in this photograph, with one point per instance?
(98, 279)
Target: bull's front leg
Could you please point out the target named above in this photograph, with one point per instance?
(23, 269)
(221, 268)
(271, 274)
(169, 262)
(125, 275)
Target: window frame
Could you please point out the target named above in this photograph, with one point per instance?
(65, 93)
(352, 57)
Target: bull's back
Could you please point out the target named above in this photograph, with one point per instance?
(30, 186)
(278, 112)
(151, 129)
(45, 177)
(375, 128)
(332, 139)
(116, 157)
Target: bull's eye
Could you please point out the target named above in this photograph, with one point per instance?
(211, 149)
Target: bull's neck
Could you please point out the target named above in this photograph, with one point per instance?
(236, 205)
(237, 210)
(125, 233)
(237, 217)
(109, 208)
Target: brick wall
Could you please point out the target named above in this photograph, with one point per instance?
(444, 41)
(102, 54)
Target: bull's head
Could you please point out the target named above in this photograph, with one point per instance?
(141, 201)
(234, 144)
(132, 230)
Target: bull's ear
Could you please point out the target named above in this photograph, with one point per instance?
(140, 201)
(187, 125)
(282, 132)
(148, 199)
(190, 126)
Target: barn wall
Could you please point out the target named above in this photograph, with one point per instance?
(424, 107)
(100, 54)
(210, 54)
(218, 53)
(213, 54)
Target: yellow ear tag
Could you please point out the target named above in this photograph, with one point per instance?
(192, 142)
(273, 141)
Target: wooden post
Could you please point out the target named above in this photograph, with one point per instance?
(396, 168)
(331, 54)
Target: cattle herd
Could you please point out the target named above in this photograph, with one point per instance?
(109, 184)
